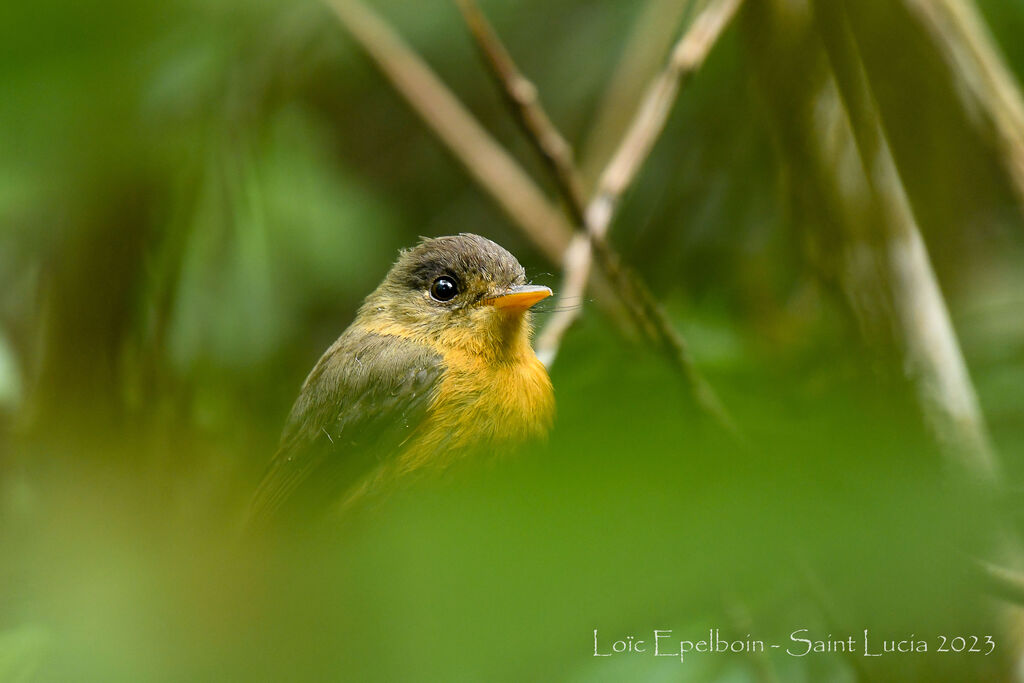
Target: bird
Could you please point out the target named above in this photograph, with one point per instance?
(436, 366)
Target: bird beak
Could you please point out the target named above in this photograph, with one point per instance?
(519, 298)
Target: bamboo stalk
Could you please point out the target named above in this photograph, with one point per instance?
(931, 350)
(987, 87)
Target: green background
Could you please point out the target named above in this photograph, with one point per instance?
(196, 196)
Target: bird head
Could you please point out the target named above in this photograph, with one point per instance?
(462, 291)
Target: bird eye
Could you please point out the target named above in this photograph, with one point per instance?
(444, 289)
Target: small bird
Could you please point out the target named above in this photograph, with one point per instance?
(437, 364)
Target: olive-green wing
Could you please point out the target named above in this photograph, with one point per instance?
(363, 399)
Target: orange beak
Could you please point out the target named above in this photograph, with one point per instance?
(519, 298)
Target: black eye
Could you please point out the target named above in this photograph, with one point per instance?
(444, 289)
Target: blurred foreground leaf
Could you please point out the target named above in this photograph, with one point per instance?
(21, 651)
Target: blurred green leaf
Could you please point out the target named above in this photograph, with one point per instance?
(21, 651)
(10, 376)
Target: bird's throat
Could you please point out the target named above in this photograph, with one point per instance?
(500, 337)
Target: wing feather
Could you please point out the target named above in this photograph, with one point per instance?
(361, 402)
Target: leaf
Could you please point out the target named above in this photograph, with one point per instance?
(21, 652)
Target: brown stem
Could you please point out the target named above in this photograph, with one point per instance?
(523, 100)
(647, 124)
(594, 218)
(496, 171)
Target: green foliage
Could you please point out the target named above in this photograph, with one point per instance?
(194, 199)
(21, 651)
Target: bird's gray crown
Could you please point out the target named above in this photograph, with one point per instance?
(466, 257)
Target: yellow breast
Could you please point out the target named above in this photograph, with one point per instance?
(494, 392)
(483, 403)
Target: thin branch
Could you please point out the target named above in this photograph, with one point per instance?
(496, 171)
(576, 269)
(987, 86)
(648, 123)
(650, 38)
(593, 220)
(522, 98)
(931, 350)
(652, 320)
